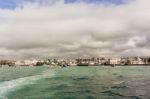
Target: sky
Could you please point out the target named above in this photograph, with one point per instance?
(74, 28)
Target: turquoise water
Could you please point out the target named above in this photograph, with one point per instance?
(75, 83)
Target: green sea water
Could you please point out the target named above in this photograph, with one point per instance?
(75, 82)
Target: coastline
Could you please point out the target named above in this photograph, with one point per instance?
(61, 67)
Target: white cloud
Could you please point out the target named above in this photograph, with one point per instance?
(75, 29)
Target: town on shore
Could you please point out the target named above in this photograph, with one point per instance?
(93, 61)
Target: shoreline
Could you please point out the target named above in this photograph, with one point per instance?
(57, 66)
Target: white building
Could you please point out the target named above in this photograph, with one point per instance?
(91, 63)
(26, 62)
(137, 60)
(31, 62)
(114, 60)
(20, 63)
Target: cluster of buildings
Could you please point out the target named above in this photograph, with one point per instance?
(94, 61)
(114, 61)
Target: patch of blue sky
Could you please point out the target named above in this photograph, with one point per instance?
(12, 4)
(116, 2)
(8, 4)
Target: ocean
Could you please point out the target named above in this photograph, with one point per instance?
(93, 82)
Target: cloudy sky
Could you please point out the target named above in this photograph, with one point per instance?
(72, 28)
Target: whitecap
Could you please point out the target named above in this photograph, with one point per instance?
(12, 85)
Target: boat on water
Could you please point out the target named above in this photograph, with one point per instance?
(113, 65)
(83, 64)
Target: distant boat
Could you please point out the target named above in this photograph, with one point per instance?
(83, 64)
(113, 65)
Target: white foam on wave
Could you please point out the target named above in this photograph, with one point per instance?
(12, 85)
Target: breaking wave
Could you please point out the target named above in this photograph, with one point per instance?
(12, 85)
